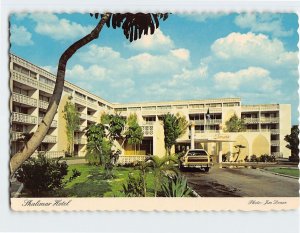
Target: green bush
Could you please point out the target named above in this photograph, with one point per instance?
(42, 176)
(294, 158)
(175, 186)
(134, 186)
(253, 158)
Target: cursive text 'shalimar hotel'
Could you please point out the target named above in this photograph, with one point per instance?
(31, 89)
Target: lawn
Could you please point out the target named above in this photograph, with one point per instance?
(285, 171)
(92, 182)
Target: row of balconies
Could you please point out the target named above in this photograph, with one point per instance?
(28, 119)
(24, 79)
(207, 122)
(261, 120)
(18, 135)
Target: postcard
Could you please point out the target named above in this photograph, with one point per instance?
(154, 111)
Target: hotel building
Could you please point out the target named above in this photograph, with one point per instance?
(31, 89)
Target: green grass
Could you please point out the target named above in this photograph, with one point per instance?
(285, 171)
(92, 182)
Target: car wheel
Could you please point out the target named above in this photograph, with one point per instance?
(206, 169)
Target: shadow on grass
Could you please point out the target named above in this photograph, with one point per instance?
(95, 186)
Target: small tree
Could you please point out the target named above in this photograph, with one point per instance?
(72, 117)
(235, 124)
(159, 167)
(174, 127)
(293, 142)
(134, 132)
(99, 148)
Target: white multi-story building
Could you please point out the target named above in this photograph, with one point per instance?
(31, 89)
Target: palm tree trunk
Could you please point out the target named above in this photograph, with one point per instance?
(18, 158)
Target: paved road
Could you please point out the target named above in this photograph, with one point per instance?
(241, 182)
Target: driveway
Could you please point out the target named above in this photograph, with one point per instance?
(241, 182)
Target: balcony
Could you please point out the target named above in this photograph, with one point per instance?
(49, 139)
(16, 135)
(81, 128)
(50, 154)
(269, 120)
(23, 99)
(128, 159)
(53, 123)
(252, 130)
(198, 122)
(147, 130)
(23, 118)
(91, 118)
(80, 140)
(251, 120)
(46, 87)
(24, 79)
(91, 104)
(275, 143)
(80, 100)
(43, 104)
(213, 122)
(274, 131)
(82, 116)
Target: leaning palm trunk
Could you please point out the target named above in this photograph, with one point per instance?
(29, 148)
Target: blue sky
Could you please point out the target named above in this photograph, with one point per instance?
(190, 56)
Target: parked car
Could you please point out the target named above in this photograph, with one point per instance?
(196, 158)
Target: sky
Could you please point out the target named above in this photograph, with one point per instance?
(190, 56)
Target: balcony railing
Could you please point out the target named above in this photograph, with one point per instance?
(43, 104)
(81, 128)
(46, 87)
(23, 99)
(213, 121)
(80, 140)
(23, 118)
(80, 100)
(275, 143)
(53, 123)
(50, 154)
(91, 104)
(128, 159)
(269, 119)
(16, 135)
(82, 116)
(274, 131)
(147, 130)
(49, 139)
(252, 130)
(251, 120)
(91, 118)
(24, 79)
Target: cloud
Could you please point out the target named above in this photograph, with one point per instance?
(20, 36)
(263, 22)
(58, 29)
(187, 75)
(92, 73)
(202, 17)
(253, 49)
(252, 79)
(155, 42)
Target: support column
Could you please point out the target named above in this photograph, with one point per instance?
(220, 151)
(192, 135)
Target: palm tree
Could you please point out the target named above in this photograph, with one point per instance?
(160, 167)
(133, 26)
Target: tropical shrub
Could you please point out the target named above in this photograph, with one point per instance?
(254, 158)
(42, 176)
(175, 186)
(134, 186)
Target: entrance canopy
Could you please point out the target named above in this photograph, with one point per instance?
(204, 140)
